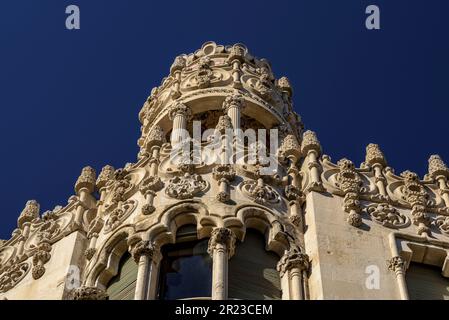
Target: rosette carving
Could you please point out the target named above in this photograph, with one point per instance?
(260, 192)
(388, 216)
(186, 187)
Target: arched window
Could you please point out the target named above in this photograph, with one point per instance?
(123, 285)
(252, 271)
(425, 282)
(186, 267)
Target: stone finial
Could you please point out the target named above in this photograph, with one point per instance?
(284, 85)
(222, 236)
(437, 167)
(29, 213)
(143, 248)
(237, 52)
(180, 108)
(224, 123)
(178, 64)
(86, 180)
(89, 293)
(290, 147)
(310, 143)
(106, 174)
(293, 258)
(233, 100)
(374, 155)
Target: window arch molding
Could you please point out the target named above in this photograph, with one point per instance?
(106, 266)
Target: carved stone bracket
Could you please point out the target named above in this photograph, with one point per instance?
(89, 293)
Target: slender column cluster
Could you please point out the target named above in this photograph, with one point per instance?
(84, 186)
(376, 159)
(28, 214)
(145, 255)
(175, 71)
(236, 58)
(294, 264)
(440, 173)
(397, 265)
(221, 248)
(311, 149)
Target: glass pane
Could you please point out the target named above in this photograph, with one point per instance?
(252, 271)
(426, 283)
(186, 271)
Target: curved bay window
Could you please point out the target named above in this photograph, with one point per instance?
(186, 267)
(123, 285)
(252, 271)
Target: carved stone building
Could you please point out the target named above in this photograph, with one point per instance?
(168, 227)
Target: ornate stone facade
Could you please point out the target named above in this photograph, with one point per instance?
(326, 222)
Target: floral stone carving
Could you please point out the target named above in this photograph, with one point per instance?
(186, 187)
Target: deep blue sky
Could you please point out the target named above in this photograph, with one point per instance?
(71, 98)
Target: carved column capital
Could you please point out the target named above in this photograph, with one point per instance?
(180, 109)
(222, 236)
(89, 293)
(233, 101)
(293, 258)
(143, 248)
(396, 264)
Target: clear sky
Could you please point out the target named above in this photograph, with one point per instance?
(71, 98)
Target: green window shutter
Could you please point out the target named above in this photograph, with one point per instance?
(252, 271)
(123, 285)
(425, 282)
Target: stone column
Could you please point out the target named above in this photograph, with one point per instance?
(296, 199)
(180, 115)
(224, 174)
(175, 71)
(376, 159)
(143, 253)
(28, 214)
(311, 149)
(233, 106)
(84, 186)
(236, 57)
(439, 172)
(106, 175)
(397, 265)
(148, 188)
(292, 265)
(221, 248)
